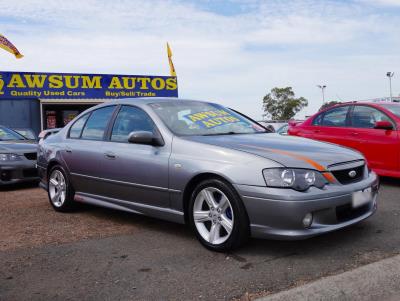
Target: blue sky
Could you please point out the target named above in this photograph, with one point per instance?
(232, 52)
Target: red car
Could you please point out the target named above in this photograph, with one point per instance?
(371, 128)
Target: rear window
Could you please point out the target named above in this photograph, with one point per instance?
(76, 129)
(97, 123)
(335, 117)
(318, 119)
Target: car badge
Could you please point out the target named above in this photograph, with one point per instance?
(352, 173)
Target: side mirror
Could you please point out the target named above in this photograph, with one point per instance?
(383, 125)
(144, 137)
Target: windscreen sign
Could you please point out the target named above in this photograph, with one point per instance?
(210, 119)
(80, 86)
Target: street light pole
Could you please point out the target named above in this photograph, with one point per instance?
(390, 75)
(322, 87)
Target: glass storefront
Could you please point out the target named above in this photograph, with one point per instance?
(58, 115)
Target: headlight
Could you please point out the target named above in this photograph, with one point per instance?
(299, 179)
(9, 157)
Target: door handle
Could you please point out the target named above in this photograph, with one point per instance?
(110, 155)
(354, 133)
(317, 131)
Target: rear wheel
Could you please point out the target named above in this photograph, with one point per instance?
(60, 192)
(217, 215)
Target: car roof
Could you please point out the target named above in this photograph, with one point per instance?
(376, 104)
(148, 100)
(370, 103)
(351, 103)
(141, 102)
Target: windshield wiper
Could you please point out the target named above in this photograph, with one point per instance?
(220, 134)
(235, 133)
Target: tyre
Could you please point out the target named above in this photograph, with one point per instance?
(60, 191)
(218, 216)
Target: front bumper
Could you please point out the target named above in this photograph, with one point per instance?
(278, 213)
(18, 172)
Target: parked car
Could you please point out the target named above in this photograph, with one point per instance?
(273, 125)
(203, 164)
(370, 128)
(17, 158)
(283, 129)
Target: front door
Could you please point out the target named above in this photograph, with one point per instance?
(379, 146)
(135, 172)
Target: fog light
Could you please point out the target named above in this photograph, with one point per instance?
(307, 220)
(5, 175)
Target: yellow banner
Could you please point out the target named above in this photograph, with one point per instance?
(8, 46)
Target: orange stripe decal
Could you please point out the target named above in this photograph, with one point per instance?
(314, 164)
(329, 177)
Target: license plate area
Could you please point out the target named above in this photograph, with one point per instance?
(362, 197)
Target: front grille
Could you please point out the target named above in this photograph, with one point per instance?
(343, 175)
(30, 173)
(31, 156)
(346, 212)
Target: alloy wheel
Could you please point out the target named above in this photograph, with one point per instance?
(57, 188)
(213, 215)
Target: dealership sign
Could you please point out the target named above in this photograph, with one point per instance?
(66, 85)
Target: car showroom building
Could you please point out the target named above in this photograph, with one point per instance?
(39, 101)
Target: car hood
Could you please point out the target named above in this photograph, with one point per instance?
(18, 146)
(289, 151)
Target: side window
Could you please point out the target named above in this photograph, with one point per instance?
(130, 119)
(365, 117)
(76, 129)
(335, 117)
(318, 119)
(97, 123)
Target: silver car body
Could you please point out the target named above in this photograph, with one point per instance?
(157, 181)
(23, 169)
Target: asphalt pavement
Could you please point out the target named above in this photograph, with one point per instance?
(164, 261)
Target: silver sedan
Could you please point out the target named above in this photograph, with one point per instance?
(17, 158)
(203, 164)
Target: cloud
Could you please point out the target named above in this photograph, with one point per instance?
(382, 2)
(234, 56)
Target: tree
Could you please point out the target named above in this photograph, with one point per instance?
(328, 104)
(281, 104)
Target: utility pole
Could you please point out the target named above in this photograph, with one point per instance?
(322, 87)
(390, 75)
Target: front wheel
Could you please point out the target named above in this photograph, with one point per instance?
(217, 215)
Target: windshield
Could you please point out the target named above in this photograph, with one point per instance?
(394, 108)
(9, 135)
(28, 134)
(192, 118)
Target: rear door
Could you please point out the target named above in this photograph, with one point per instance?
(309, 129)
(135, 172)
(83, 153)
(379, 146)
(332, 126)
